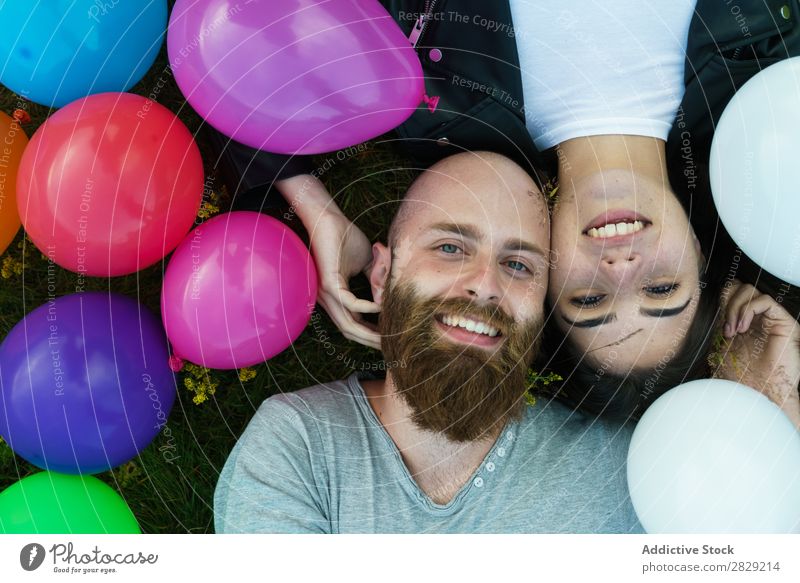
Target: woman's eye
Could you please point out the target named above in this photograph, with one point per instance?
(587, 301)
(662, 290)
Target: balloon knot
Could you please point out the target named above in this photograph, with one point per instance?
(431, 101)
(175, 363)
(21, 116)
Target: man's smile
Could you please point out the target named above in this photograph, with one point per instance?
(468, 330)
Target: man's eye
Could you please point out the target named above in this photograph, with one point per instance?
(662, 290)
(517, 266)
(587, 301)
(449, 248)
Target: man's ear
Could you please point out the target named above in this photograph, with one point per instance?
(379, 274)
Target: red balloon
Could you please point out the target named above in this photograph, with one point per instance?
(109, 184)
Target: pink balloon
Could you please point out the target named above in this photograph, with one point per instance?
(237, 291)
(294, 76)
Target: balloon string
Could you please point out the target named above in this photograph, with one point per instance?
(175, 363)
(431, 101)
(21, 116)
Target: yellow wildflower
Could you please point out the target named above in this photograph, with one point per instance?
(207, 210)
(537, 380)
(199, 383)
(246, 374)
(127, 473)
(11, 266)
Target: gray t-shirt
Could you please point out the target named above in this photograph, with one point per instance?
(318, 460)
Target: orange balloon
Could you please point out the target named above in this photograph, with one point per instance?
(12, 142)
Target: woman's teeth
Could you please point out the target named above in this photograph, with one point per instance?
(471, 325)
(614, 230)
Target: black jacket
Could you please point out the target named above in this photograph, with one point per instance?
(729, 42)
(481, 105)
(477, 81)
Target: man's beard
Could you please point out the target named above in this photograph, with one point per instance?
(466, 392)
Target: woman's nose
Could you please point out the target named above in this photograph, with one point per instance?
(621, 264)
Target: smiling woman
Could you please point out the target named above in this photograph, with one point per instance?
(634, 289)
(608, 287)
(635, 310)
(625, 279)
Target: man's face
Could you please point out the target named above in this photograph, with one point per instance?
(463, 305)
(625, 298)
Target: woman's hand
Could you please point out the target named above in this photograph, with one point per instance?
(764, 348)
(340, 251)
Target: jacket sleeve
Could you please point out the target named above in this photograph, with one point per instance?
(727, 46)
(250, 174)
(269, 483)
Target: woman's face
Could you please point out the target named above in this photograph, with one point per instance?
(624, 280)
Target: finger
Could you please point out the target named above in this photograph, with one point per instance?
(339, 291)
(354, 304)
(738, 300)
(727, 291)
(350, 328)
(371, 341)
(746, 314)
(782, 322)
(765, 305)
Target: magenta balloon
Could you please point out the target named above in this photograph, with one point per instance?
(294, 76)
(237, 291)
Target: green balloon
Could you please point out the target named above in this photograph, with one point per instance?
(53, 503)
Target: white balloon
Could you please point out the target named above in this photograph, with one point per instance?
(755, 169)
(715, 456)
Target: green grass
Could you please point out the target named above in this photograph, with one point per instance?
(170, 485)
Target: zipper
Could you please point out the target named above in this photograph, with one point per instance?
(422, 23)
(420, 26)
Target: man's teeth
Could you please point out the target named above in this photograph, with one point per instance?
(613, 230)
(471, 325)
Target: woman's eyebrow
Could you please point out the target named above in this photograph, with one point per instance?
(653, 313)
(665, 312)
(591, 323)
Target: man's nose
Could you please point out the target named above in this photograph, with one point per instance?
(481, 282)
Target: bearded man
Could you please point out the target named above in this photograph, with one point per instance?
(447, 442)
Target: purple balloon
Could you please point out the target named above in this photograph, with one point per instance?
(294, 76)
(85, 383)
(238, 290)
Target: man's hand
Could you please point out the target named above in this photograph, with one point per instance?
(340, 251)
(764, 346)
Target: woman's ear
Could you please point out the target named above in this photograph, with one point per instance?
(699, 249)
(379, 274)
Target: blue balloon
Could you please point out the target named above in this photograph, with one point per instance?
(56, 51)
(85, 383)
